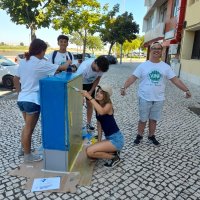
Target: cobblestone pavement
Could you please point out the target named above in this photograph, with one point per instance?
(168, 172)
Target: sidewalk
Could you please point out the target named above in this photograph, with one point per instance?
(168, 172)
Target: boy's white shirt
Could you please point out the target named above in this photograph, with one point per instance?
(60, 58)
(89, 76)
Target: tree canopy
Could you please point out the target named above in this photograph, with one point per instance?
(82, 16)
(118, 29)
(33, 14)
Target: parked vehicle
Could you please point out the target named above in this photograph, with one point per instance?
(112, 59)
(19, 57)
(78, 57)
(8, 70)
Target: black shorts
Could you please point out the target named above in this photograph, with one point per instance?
(88, 87)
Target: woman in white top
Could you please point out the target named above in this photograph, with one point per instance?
(26, 82)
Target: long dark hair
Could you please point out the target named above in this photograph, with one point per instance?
(106, 98)
(35, 48)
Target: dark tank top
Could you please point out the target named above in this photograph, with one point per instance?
(108, 124)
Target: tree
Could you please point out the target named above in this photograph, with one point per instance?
(33, 14)
(94, 42)
(119, 29)
(21, 44)
(82, 16)
(76, 39)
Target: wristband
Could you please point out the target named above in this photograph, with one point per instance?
(91, 99)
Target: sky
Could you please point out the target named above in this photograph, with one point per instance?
(11, 33)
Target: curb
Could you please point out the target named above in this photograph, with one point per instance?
(8, 95)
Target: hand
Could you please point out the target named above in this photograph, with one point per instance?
(85, 94)
(69, 62)
(123, 91)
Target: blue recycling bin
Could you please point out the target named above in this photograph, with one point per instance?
(61, 120)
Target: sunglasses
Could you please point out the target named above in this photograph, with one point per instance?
(154, 48)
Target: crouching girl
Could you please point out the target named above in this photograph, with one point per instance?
(110, 147)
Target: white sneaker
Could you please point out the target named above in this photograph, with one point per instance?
(32, 157)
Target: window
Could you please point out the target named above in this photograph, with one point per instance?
(163, 12)
(196, 46)
(149, 23)
(175, 8)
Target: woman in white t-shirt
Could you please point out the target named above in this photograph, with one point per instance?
(33, 68)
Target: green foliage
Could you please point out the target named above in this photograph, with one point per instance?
(82, 16)
(76, 39)
(134, 44)
(33, 14)
(94, 43)
(118, 29)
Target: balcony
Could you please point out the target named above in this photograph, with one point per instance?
(156, 32)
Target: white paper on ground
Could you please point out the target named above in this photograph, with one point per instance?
(41, 184)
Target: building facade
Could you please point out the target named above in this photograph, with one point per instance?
(190, 47)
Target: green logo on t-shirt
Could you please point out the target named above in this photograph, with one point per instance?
(155, 76)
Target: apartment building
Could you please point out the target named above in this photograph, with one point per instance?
(190, 47)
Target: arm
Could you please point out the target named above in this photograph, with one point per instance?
(107, 109)
(17, 84)
(95, 83)
(64, 66)
(99, 130)
(128, 82)
(179, 84)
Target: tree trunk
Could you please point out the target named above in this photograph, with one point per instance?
(33, 35)
(120, 53)
(84, 43)
(111, 45)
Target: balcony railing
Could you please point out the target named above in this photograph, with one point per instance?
(156, 32)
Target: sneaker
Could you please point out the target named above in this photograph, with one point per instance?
(21, 151)
(117, 153)
(138, 139)
(153, 140)
(32, 158)
(113, 162)
(89, 128)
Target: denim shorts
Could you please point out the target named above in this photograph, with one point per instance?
(117, 139)
(28, 107)
(150, 110)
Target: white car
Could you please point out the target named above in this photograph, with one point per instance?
(19, 57)
(8, 70)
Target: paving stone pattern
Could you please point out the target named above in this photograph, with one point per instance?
(168, 172)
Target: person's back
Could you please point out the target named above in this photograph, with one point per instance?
(33, 68)
(85, 66)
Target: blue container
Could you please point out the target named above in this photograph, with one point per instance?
(61, 118)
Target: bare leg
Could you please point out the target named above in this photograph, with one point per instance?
(30, 123)
(152, 127)
(102, 150)
(141, 127)
(89, 111)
